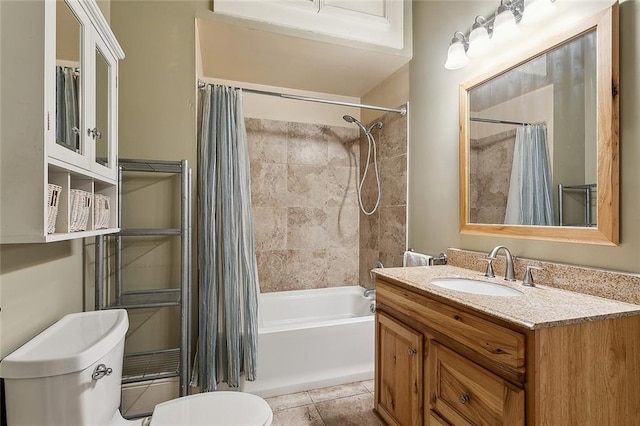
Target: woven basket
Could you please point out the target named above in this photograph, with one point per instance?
(53, 200)
(101, 211)
(80, 210)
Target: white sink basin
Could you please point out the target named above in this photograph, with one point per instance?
(468, 285)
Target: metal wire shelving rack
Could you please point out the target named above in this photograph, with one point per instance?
(163, 363)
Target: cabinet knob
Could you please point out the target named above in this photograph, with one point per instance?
(463, 399)
(412, 352)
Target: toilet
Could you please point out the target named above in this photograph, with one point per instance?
(70, 375)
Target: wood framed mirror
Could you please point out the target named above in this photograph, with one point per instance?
(539, 140)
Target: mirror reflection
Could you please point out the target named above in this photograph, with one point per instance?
(68, 46)
(533, 140)
(102, 109)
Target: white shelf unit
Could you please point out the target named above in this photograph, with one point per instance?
(30, 156)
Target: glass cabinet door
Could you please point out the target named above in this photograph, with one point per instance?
(102, 136)
(103, 133)
(69, 85)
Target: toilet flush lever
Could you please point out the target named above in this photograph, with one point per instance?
(101, 371)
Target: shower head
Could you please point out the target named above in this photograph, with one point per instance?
(350, 119)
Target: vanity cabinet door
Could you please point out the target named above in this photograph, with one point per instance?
(399, 380)
(464, 393)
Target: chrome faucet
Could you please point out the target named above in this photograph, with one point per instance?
(368, 292)
(508, 273)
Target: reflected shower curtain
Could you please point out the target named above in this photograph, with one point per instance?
(228, 275)
(530, 199)
(67, 104)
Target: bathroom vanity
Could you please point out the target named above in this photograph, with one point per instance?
(545, 356)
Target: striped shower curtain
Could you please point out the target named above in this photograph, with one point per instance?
(228, 276)
(67, 104)
(530, 199)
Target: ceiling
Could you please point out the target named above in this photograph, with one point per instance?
(233, 51)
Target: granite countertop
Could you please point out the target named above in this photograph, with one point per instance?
(540, 306)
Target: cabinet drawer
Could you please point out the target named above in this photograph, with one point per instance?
(462, 392)
(502, 346)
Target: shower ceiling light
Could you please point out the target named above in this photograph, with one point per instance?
(500, 27)
(457, 54)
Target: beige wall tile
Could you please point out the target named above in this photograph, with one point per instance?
(270, 227)
(306, 228)
(306, 269)
(344, 146)
(342, 185)
(342, 266)
(367, 258)
(342, 227)
(393, 136)
(392, 229)
(268, 184)
(306, 186)
(267, 141)
(393, 178)
(306, 144)
(272, 270)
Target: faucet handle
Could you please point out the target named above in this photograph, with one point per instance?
(528, 277)
(489, 272)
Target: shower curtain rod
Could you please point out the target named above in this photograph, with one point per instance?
(402, 111)
(491, 120)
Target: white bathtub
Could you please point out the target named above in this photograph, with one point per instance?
(309, 339)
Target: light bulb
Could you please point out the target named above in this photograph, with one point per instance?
(479, 42)
(504, 26)
(456, 56)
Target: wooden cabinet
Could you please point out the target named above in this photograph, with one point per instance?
(465, 392)
(479, 370)
(399, 363)
(59, 118)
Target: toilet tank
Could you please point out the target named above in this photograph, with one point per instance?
(48, 381)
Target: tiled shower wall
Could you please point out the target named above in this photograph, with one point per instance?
(383, 234)
(303, 191)
(489, 175)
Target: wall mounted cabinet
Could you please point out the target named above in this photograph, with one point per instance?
(378, 22)
(59, 117)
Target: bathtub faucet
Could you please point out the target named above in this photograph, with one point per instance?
(368, 292)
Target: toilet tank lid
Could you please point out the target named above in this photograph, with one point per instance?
(72, 344)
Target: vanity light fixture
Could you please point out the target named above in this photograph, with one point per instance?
(537, 10)
(457, 55)
(479, 39)
(505, 23)
(498, 28)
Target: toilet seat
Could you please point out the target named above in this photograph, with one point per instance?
(214, 409)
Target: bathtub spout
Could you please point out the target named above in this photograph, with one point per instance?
(370, 291)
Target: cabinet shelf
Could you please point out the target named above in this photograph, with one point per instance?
(152, 365)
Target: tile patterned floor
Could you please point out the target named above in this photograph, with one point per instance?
(344, 405)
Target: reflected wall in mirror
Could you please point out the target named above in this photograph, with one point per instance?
(538, 141)
(516, 113)
(68, 58)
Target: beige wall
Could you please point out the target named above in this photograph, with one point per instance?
(433, 164)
